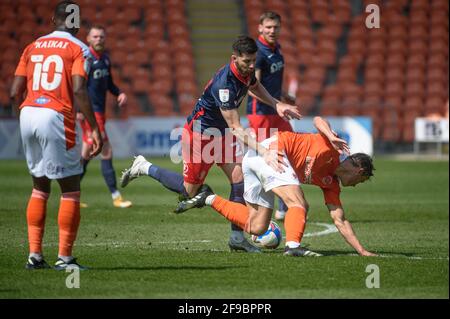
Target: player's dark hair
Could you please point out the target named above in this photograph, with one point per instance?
(60, 10)
(269, 15)
(363, 161)
(244, 45)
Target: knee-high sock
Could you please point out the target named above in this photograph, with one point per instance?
(235, 212)
(237, 195)
(281, 205)
(294, 224)
(36, 210)
(109, 174)
(68, 222)
(85, 163)
(170, 180)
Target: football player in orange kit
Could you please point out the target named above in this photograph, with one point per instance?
(310, 159)
(53, 71)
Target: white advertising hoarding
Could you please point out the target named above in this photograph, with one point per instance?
(429, 130)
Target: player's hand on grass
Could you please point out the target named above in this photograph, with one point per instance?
(367, 254)
(275, 160)
(122, 99)
(288, 112)
(340, 145)
(97, 143)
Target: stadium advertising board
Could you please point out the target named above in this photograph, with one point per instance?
(157, 136)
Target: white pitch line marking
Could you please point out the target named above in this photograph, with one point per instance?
(330, 228)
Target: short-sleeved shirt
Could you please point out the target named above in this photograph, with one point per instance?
(49, 64)
(314, 161)
(100, 81)
(225, 90)
(270, 62)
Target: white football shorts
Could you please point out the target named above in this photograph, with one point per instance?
(44, 144)
(260, 178)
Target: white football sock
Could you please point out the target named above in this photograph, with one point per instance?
(66, 259)
(292, 244)
(36, 256)
(209, 200)
(115, 194)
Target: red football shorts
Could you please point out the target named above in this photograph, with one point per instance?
(87, 131)
(265, 126)
(200, 152)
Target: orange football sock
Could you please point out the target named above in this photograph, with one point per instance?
(294, 224)
(36, 210)
(68, 221)
(234, 212)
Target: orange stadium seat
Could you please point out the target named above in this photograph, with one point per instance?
(141, 85)
(439, 5)
(438, 60)
(423, 5)
(377, 46)
(418, 32)
(417, 46)
(437, 47)
(163, 86)
(395, 60)
(415, 89)
(413, 104)
(436, 74)
(162, 72)
(374, 75)
(397, 46)
(417, 60)
(435, 104)
(357, 47)
(415, 75)
(394, 101)
(418, 18)
(375, 60)
(346, 75)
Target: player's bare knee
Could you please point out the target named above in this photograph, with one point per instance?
(258, 228)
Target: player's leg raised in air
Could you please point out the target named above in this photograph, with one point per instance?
(255, 217)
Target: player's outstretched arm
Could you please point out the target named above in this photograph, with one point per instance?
(18, 87)
(346, 230)
(286, 111)
(324, 128)
(81, 98)
(270, 156)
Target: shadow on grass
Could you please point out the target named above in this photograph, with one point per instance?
(175, 268)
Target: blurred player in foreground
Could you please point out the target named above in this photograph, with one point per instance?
(53, 70)
(100, 81)
(312, 159)
(210, 133)
(269, 69)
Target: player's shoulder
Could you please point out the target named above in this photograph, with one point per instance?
(223, 79)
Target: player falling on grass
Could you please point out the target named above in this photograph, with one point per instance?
(53, 71)
(100, 81)
(310, 159)
(269, 69)
(214, 114)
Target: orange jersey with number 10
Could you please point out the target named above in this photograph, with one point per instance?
(49, 64)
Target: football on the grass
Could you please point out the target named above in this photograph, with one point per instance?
(271, 238)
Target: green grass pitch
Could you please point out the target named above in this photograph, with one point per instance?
(148, 252)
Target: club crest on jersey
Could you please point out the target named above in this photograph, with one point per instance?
(224, 95)
(42, 100)
(327, 180)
